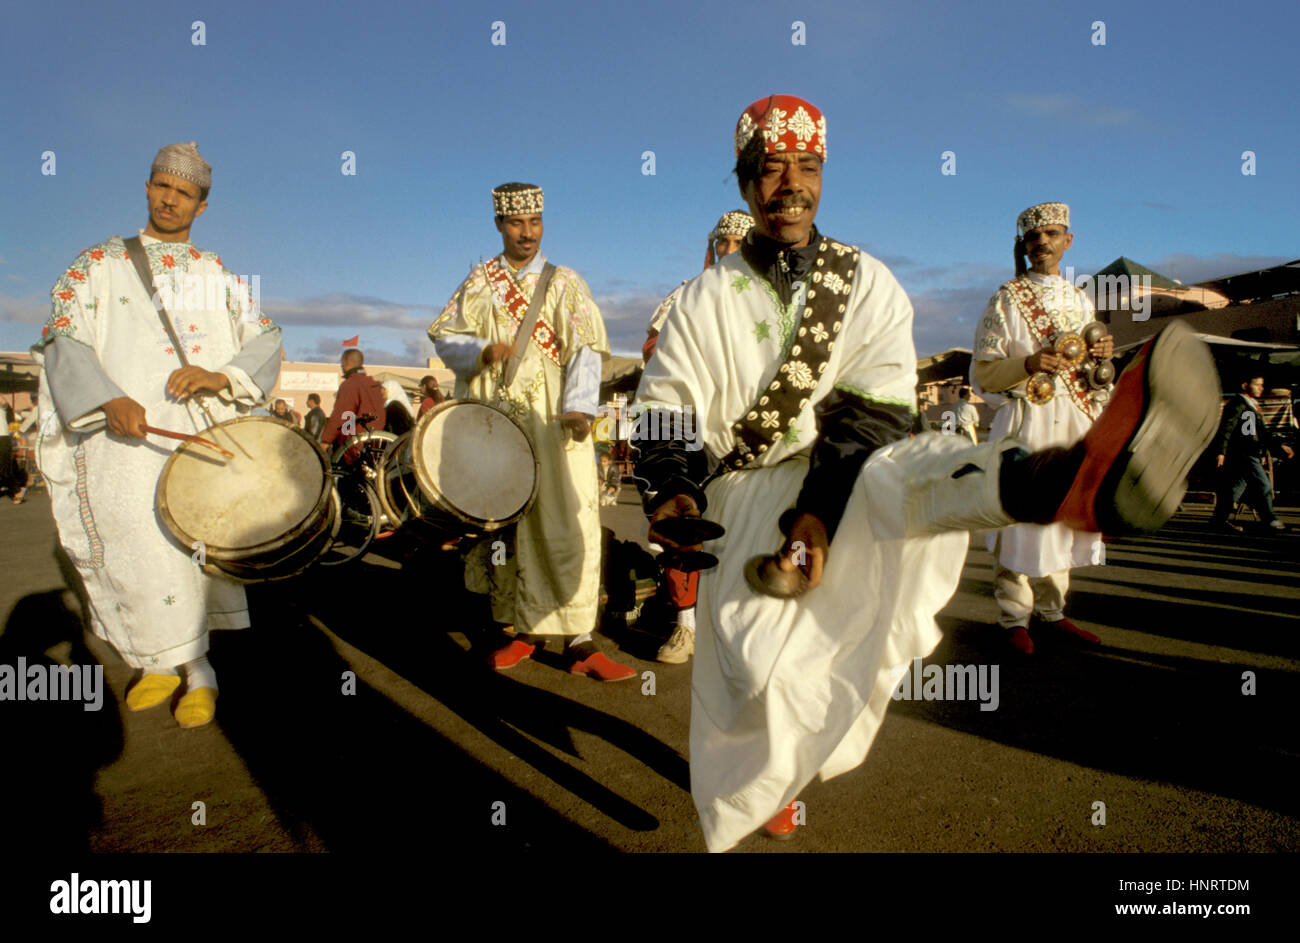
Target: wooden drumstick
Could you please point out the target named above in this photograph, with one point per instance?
(213, 424)
(186, 437)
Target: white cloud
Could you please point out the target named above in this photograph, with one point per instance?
(29, 310)
(1072, 108)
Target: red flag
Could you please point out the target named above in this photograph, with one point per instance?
(352, 341)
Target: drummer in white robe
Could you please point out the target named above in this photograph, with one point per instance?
(108, 369)
(1014, 341)
(549, 582)
(782, 394)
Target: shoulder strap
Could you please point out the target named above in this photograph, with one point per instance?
(780, 403)
(525, 333)
(135, 249)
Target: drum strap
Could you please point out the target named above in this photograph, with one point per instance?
(525, 333)
(135, 249)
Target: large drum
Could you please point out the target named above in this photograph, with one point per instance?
(466, 468)
(265, 514)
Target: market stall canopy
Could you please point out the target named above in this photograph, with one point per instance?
(19, 373)
(948, 365)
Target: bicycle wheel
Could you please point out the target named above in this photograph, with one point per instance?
(366, 448)
(359, 523)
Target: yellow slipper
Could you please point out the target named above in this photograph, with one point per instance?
(151, 690)
(196, 708)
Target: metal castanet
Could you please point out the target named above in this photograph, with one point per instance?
(764, 575)
(1071, 348)
(1092, 333)
(1040, 388)
(266, 514)
(466, 468)
(688, 531)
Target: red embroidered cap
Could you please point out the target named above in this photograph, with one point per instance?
(788, 122)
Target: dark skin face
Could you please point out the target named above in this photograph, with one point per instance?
(784, 199)
(174, 204)
(1044, 245)
(725, 245)
(521, 236)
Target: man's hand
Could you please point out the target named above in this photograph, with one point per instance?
(680, 505)
(1046, 360)
(809, 534)
(190, 380)
(125, 417)
(495, 353)
(1290, 452)
(1218, 461)
(577, 424)
(1104, 349)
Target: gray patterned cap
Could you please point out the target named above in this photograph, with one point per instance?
(184, 161)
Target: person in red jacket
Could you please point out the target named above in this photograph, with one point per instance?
(358, 396)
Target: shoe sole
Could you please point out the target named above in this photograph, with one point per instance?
(1148, 478)
(595, 677)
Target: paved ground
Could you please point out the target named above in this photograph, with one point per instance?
(1154, 723)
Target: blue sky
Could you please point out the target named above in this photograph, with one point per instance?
(1142, 136)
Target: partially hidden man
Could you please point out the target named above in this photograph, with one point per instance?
(796, 356)
(550, 582)
(1016, 339)
(682, 586)
(108, 369)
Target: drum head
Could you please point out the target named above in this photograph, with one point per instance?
(276, 481)
(475, 461)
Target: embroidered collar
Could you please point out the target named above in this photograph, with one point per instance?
(534, 266)
(777, 264)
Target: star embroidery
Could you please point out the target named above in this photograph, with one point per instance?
(740, 283)
(169, 600)
(762, 330)
(791, 436)
(124, 300)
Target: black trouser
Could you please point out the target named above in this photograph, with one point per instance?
(11, 476)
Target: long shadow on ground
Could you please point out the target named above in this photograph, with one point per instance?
(358, 770)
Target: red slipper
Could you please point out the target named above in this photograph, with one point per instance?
(601, 668)
(1069, 628)
(511, 655)
(1020, 640)
(1161, 417)
(782, 825)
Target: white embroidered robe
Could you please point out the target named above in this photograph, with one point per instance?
(783, 690)
(147, 596)
(1034, 549)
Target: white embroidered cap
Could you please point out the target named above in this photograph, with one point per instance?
(1043, 214)
(184, 161)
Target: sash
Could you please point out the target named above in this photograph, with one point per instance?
(779, 406)
(136, 253)
(1044, 331)
(516, 305)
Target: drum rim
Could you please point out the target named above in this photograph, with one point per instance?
(309, 523)
(435, 495)
(235, 570)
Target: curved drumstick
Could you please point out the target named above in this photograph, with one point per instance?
(186, 437)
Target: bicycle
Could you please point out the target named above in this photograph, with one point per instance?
(356, 467)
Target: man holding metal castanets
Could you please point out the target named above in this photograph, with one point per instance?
(1045, 363)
